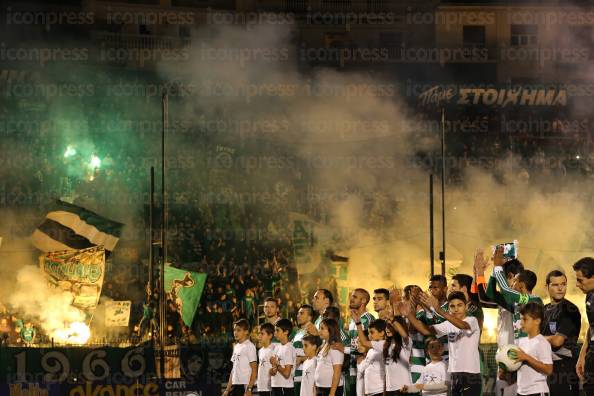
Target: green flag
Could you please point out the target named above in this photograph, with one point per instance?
(185, 289)
(79, 272)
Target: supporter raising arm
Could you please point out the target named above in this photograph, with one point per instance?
(516, 295)
(463, 335)
(520, 292)
(496, 299)
(434, 304)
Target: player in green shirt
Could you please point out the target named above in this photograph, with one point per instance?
(515, 296)
(322, 298)
(438, 288)
(417, 359)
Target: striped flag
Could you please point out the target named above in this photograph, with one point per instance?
(70, 227)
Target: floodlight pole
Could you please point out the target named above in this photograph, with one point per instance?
(162, 295)
(442, 254)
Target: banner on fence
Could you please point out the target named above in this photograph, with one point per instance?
(117, 313)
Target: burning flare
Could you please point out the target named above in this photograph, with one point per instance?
(77, 333)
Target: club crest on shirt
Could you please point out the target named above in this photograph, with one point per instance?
(452, 337)
(553, 327)
(430, 378)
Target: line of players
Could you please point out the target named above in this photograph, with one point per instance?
(424, 341)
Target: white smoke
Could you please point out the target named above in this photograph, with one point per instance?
(51, 307)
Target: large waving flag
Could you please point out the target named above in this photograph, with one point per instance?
(184, 288)
(79, 272)
(70, 227)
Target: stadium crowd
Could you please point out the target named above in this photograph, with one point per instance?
(218, 222)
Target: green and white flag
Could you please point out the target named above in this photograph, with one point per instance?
(79, 272)
(305, 250)
(71, 227)
(184, 288)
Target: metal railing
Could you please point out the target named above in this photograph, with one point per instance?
(140, 41)
(331, 6)
(296, 5)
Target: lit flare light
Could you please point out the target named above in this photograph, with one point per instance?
(77, 333)
(94, 166)
(70, 151)
(95, 162)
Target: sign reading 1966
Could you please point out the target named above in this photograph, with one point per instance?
(72, 365)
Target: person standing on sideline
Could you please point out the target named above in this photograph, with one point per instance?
(417, 359)
(438, 288)
(561, 328)
(463, 283)
(245, 362)
(360, 321)
(321, 300)
(505, 322)
(283, 361)
(516, 295)
(329, 379)
(333, 312)
(584, 275)
(463, 335)
(311, 346)
(534, 351)
(304, 321)
(373, 366)
(434, 379)
(381, 303)
(271, 310)
(267, 350)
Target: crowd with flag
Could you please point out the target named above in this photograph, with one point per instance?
(76, 247)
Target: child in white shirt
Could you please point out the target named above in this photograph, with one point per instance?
(434, 379)
(329, 379)
(311, 344)
(245, 361)
(267, 350)
(283, 362)
(463, 334)
(535, 351)
(372, 367)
